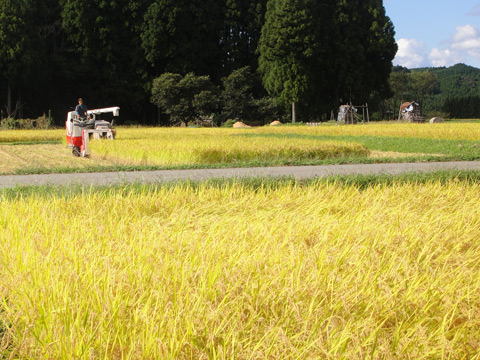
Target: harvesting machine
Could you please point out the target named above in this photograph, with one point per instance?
(80, 131)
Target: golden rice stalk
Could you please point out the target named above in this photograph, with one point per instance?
(12, 136)
(272, 272)
(210, 146)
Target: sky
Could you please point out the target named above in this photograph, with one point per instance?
(435, 32)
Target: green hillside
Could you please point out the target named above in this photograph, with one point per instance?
(458, 91)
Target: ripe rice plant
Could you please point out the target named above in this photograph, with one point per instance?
(14, 136)
(447, 131)
(214, 146)
(275, 271)
(141, 148)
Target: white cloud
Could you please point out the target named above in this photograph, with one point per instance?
(462, 47)
(466, 33)
(467, 40)
(464, 44)
(411, 53)
(445, 57)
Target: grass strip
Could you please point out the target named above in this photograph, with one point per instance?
(242, 164)
(361, 182)
(455, 148)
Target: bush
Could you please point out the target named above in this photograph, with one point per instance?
(185, 98)
(8, 123)
(229, 123)
(42, 122)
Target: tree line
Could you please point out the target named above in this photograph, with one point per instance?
(256, 58)
(453, 92)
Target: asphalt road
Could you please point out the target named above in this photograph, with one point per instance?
(298, 172)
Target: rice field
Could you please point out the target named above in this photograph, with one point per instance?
(234, 271)
(173, 146)
(140, 148)
(18, 136)
(447, 131)
(167, 147)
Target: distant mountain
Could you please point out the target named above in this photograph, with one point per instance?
(458, 92)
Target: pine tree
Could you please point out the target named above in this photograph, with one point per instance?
(109, 64)
(183, 36)
(21, 50)
(242, 26)
(287, 49)
(363, 47)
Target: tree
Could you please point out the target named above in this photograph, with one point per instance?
(401, 88)
(244, 98)
(423, 83)
(327, 53)
(363, 47)
(19, 46)
(242, 26)
(287, 48)
(183, 36)
(184, 98)
(108, 62)
(467, 107)
(237, 96)
(407, 85)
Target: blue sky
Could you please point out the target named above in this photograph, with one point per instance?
(435, 32)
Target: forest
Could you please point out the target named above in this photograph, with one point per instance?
(453, 92)
(165, 61)
(311, 54)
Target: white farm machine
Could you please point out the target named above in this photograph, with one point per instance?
(80, 131)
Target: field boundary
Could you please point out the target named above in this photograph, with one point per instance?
(297, 172)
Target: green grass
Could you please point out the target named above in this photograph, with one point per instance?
(448, 149)
(243, 164)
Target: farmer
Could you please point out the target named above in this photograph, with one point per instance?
(81, 110)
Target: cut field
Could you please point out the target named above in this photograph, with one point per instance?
(38, 158)
(164, 148)
(273, 270)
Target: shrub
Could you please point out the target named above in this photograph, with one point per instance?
(42, 122)
(7, 123)
(229, 123)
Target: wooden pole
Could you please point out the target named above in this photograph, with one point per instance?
(9, 100)
(294, 112)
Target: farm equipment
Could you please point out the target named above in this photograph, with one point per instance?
(411, 112)
(79, 131)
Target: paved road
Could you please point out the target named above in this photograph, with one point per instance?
(298, 172)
